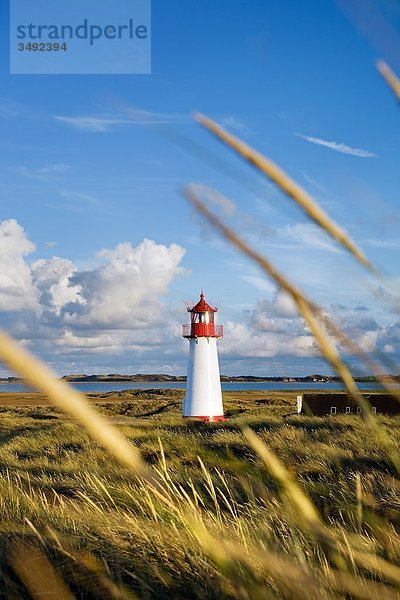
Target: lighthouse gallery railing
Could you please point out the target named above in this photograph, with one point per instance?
(202, 330)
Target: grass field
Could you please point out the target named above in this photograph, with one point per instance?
(110, 536)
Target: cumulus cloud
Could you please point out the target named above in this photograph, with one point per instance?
(339, 147)
(53, 282)
(362, 325)
(55, 306)
(110, 313)
(390, 300)
(17, 289)
(388, 338)
(124, 290)
(272, 328)
(243, 341)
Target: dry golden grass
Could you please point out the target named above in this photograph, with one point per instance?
(71, 402)
(390, 77)
(214, 526)
(37, 573)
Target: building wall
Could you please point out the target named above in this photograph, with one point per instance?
(321, 404)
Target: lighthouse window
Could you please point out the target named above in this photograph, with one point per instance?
(204, 318)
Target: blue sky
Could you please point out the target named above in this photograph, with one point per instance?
(81, 176)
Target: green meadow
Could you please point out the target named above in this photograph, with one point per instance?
(74, 523)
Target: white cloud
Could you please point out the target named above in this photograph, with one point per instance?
(368, 340)
(388, 337)
(391, 243)
(53, 280)
(58, 308)
(312, 182)
(227, 207)
(114, 313)
(48, 173)
(91, 124)
(389, 296)
(78, 202)
(311, 235)
(55, 168)
(338, 147)
(284, 305)
(78, 197)
(130, 116)
(273, 328)
(260, 283)
(147, 117)
(124, 290)
(235, 123)
(242, 341)
(17, 289)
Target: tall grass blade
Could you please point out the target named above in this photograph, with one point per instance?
(306, 512)
(390, 77)
(290, 187)
(36, 572)
(72, 403)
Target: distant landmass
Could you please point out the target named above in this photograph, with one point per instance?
(161, 377)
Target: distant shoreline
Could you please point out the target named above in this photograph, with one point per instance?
(163, 378)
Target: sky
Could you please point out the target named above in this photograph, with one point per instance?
(99, 249)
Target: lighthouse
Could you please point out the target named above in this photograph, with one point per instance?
(203, 399)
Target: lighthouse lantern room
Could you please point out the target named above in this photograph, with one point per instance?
(203, 399)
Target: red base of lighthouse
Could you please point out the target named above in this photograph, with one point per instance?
(208, 419)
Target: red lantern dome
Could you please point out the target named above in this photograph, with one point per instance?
(202, 321)
(202, 306)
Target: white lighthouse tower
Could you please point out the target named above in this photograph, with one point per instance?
(203, 399)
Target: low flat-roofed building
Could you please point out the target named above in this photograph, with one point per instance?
(322, 404)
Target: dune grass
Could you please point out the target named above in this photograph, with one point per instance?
(214, 526)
